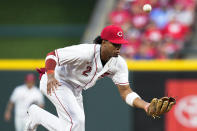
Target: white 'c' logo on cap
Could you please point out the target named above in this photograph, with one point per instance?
(119, 33)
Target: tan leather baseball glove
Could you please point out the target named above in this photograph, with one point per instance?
(160, 106)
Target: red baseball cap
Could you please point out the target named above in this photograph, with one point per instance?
(113, 34)
(30, 77)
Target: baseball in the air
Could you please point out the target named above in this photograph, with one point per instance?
(147, 8)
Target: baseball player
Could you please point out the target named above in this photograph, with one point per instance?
(22, 97)
(71, 69)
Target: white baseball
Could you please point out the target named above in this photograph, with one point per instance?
(147, 8)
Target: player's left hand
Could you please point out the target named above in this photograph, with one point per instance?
(160, 106)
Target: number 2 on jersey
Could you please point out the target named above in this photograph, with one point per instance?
(88, 70)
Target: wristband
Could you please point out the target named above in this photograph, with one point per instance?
(131, 97)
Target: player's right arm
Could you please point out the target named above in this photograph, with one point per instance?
(62, 56)
(50, 64)
(10, 104)
(8, 111)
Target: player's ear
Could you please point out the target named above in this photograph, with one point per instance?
(104, 42)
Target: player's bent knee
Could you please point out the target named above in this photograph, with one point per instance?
(78, 123)
(31, 108)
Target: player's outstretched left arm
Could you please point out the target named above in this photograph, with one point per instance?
(131, 98)
(155, 108)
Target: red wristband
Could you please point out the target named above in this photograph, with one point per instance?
(50, 64)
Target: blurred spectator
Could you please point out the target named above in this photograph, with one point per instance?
(130, 49)
(139, 19)
(168, 49)
(183, 15)
(153, 33)
(119, 15)
(22, 97)
(147, 51)
(161, 16)
(176, 30)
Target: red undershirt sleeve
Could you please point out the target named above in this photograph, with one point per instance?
(50, 62)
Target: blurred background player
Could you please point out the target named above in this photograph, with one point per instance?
(22, 97)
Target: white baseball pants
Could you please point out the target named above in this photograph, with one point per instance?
(19, 123)
(69, 105)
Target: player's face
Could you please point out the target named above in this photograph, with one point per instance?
(30, 84)
(113, 49)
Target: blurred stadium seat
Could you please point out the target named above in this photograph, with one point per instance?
(164, 33)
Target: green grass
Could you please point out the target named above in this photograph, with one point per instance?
(32, 47)
(45, 11)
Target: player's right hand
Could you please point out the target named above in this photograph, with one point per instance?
(52, 84)
(7, 116)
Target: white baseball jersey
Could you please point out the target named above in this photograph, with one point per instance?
(78, 66)
(81, 65)
(23, 97)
